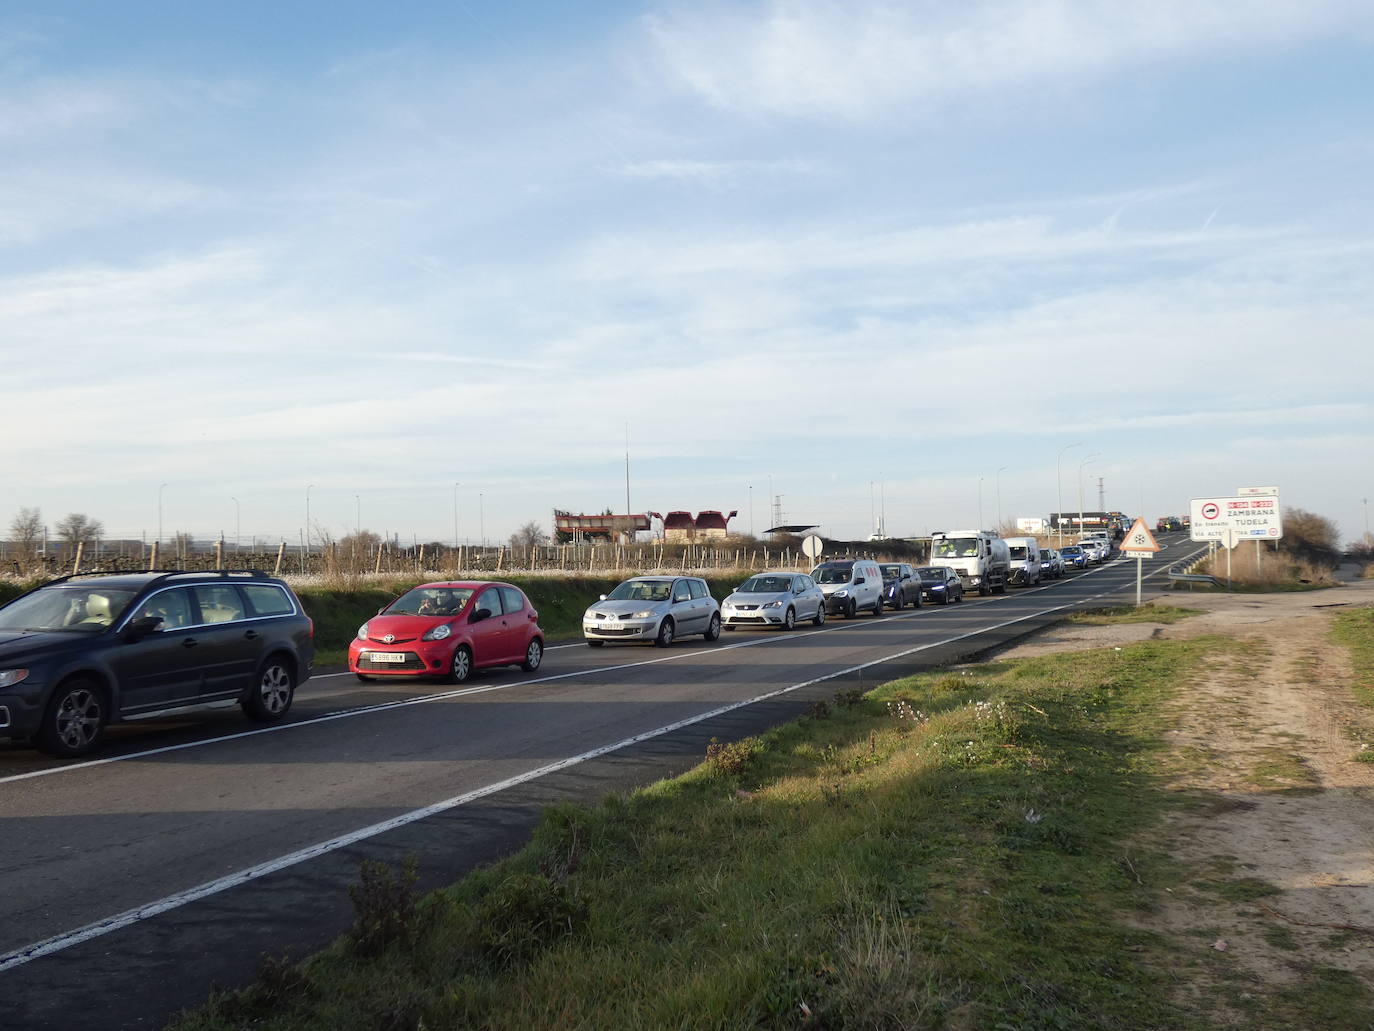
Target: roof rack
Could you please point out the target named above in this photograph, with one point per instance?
(160, 574)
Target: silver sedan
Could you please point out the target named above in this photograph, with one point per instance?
(653, 608)
(774, 600)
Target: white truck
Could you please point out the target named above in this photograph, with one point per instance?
(1025, 560)
(980, 558)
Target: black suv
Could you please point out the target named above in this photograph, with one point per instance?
(83, 651)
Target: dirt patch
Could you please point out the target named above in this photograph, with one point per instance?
(1272, 858)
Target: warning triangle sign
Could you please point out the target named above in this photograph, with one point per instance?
(1139, 538)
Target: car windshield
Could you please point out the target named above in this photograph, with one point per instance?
(891, 572)
(931, 573)
(80, 608)
(430, 601)
(1072, 549)
(766, 585)
(642, 590)
(956, 547)
(836, 574)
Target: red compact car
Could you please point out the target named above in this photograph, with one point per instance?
(449, 629)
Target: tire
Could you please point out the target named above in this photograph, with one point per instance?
(984, 590)
(75, 719)
(878, 606)
(944, 598)
(665, 633)
(1000, 588)
(534, 655)
(917, 603)
(460, 666)
(713, 628)
(819, 618)
(594, 644)
(273, 690)
(789, 619)
(362, 676)
(851, 609)
(729, 629)
(897, 603)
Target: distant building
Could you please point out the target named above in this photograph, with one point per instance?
(708, 524)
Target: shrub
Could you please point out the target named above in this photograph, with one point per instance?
(386, 907)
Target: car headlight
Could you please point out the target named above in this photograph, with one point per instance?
(646, 614)
(437, 633)
(362, 632)
(841, 594)
(773, 605)
(10, 677)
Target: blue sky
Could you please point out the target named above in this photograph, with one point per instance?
(860, 249)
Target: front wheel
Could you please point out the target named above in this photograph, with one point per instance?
(534, 655)
(594, 644)
(713, 628)
(878, 606)
(984, 590)
(460, 666)
(665, 634)
(819, 618)
(275, 687)
(851, 609)
(897, 602)
(789, 619)
(74, 721)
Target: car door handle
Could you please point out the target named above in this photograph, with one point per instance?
(251, 635)
(188, 642)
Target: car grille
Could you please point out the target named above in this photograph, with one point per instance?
(746, 608)
(748, 619)
(394, 640)
(413, 662)
(601, 630)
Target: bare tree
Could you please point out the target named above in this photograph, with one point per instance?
(531, 535)
(26, 532)
(79, 528)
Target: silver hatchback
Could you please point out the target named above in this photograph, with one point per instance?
(775, 600)
(653, 608)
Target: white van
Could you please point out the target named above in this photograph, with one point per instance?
(850, 585)
(1025, 560)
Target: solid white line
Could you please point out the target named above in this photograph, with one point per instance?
(132, 916)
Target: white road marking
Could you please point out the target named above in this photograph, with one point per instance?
(132, 916)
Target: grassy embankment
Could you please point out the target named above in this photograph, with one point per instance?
(957, 850)
(1354, 629)
(1147, 613)
(560, 601)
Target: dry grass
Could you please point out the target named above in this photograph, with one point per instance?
(1268, 569)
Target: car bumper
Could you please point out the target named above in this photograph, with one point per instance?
(21, 707)
(753, 617)
(418, 659)
(620, 629)
(934, 593)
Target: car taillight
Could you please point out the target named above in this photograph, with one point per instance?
(310, 627)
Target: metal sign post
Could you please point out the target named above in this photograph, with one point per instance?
(1139, 544)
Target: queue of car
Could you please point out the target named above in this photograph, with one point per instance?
(80, 653)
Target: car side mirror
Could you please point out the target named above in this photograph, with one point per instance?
(601, 597)
(858, 580)
(381, 610)
(142, 627)
(480, 615)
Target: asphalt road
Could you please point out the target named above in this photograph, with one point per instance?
(186, 852)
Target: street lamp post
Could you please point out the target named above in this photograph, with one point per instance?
(357, 515)
(999, 498)
(237, 524)
(481, 521)
(1081, 464)
(455, 515)
(305, 541)
(980, 503)
(1059, 489)
(159, 513)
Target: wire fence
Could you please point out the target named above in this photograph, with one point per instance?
(388, 560)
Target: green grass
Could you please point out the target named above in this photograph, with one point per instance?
(560, 601)
(945, 852)
(1355, 630)
(1148, 613)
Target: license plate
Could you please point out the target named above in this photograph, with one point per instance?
(386, 656)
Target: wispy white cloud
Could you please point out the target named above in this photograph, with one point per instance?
(715, 173)
(871, 59)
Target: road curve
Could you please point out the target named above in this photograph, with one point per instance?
(201, 846)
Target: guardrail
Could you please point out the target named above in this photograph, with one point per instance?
(1182, 572)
